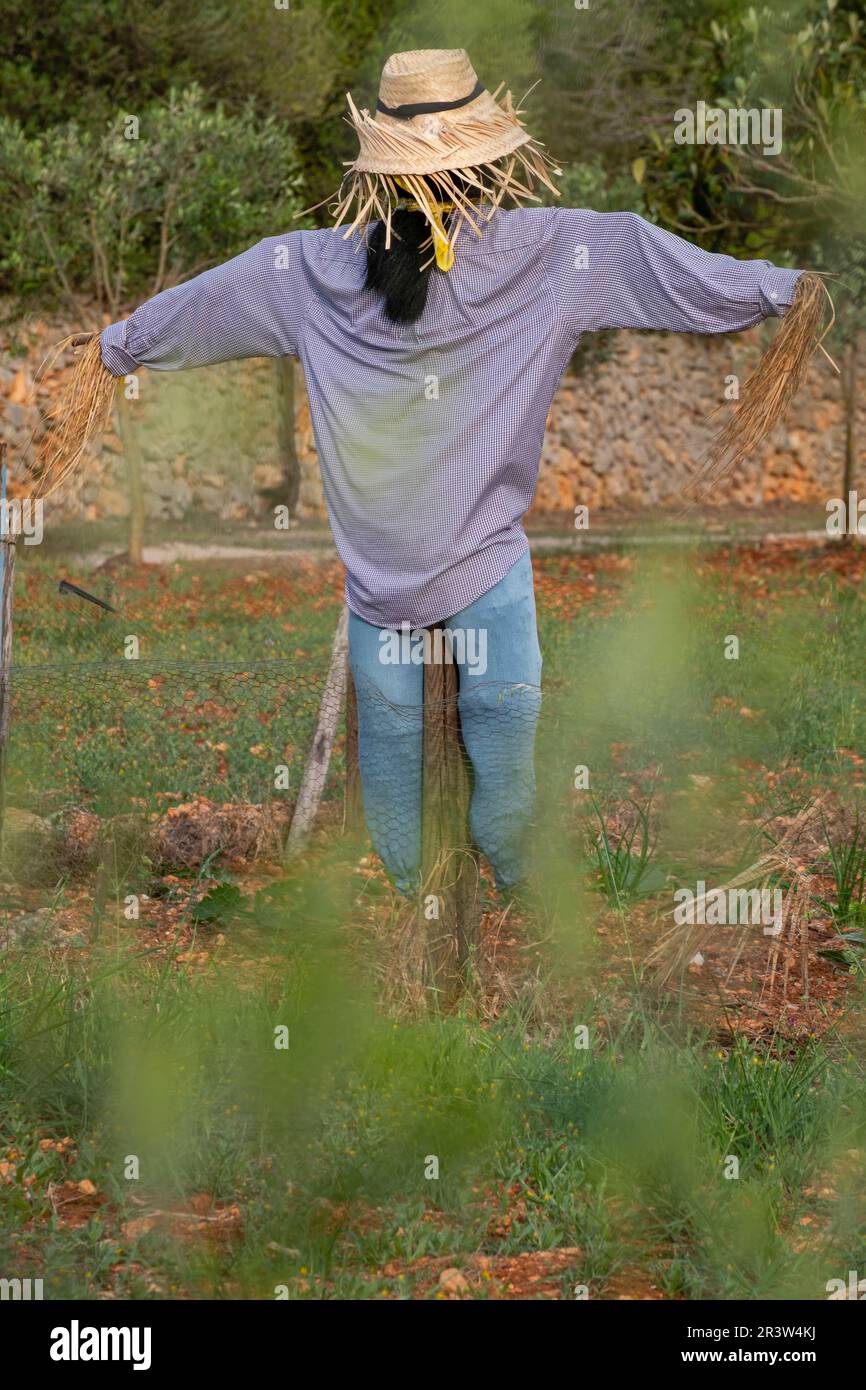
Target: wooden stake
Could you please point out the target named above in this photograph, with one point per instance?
(132, 458)
(7, 568)
(353, 813)
(319, 757)
(286, 445)
(449, 906)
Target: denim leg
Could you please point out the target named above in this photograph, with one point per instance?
(500, 701)
(390, 748)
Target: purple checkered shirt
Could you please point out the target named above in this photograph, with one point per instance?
(429, 435)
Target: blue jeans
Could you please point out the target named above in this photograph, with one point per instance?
(495, 646)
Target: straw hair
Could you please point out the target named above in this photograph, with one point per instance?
(81, 412)
(771, 386)
(474, 155)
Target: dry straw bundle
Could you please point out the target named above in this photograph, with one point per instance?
(771, 386)
(678, 945)
(81, 412)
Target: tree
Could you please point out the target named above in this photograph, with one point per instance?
(123, 212)
(81, 60)
(142, 203)
(805, 205)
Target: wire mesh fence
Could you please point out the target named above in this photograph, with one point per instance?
(435, 781)
(123, 734)
(225, 759)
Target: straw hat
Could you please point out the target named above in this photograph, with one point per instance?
(435, 120)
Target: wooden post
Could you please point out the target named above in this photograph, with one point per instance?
(7, 570)
(849, 396)
(285, 370)
(319, 757)
(449, 906)
(353, 814)
(132, 459)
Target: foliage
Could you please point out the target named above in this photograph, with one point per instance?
(588, 184)
(119, 213)
(317, 1155)
(625, 868)
(81, 60)
(807, 201)
(609, 79)
(847, 862)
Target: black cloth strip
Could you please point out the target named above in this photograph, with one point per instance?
(67, 587)
(422, 108)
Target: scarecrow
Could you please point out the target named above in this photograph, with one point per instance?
(433, 323)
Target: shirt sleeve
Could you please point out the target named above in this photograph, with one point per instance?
(251, 306)
(616, 270)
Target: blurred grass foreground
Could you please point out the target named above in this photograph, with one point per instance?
(219, 1076)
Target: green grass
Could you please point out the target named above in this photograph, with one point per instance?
(240, 660)
(226, 687)
(620, 1149)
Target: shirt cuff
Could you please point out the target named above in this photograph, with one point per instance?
(115, 357)
(777, 290)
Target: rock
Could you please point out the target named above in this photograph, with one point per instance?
(30, 927)
(20, 387)
(112, 502)
(27, 842)
(17, 440)
(24, 823)
(451, 1281)
(15, 416)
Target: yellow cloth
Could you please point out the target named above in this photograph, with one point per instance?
(441, 245)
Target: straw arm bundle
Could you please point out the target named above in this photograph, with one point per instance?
(771, 386)
(80, 414)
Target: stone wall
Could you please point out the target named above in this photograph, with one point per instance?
(628, 434)
(623, 433)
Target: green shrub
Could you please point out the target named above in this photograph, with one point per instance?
(117, 215)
